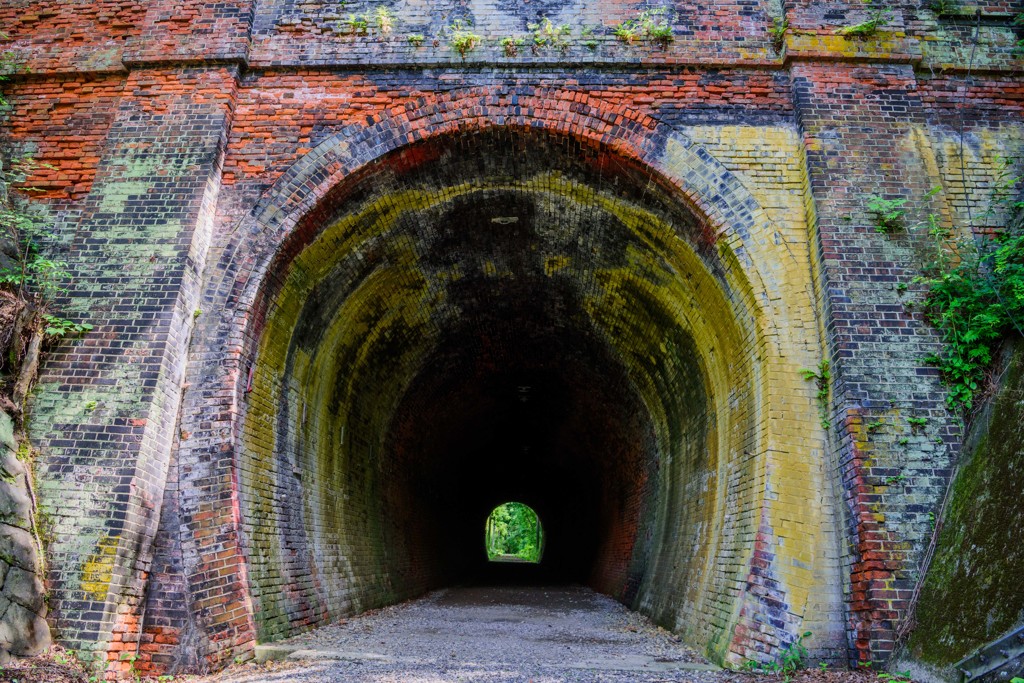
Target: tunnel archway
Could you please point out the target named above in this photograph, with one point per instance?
(515, 316)
(396, 299)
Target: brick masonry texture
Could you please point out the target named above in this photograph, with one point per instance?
(338, 278)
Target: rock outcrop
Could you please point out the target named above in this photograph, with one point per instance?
(23, 627)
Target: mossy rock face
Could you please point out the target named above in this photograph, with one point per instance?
(974, 592)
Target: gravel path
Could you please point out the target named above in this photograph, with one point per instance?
(486, 635)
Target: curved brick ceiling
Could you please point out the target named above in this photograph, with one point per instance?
(486, 319)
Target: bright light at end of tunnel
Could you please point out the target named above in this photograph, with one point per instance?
(514, 534)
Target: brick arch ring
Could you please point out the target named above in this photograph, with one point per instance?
(213, 552)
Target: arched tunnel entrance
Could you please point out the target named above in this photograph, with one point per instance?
(503, 315)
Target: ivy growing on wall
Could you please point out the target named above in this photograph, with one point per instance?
(30, 281)
(975, 295)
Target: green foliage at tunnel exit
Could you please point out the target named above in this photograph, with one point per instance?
(514, 532)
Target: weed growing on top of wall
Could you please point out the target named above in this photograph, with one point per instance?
(777, 31)
(462, 39)
(877, 18)
(548, 34)
(654, 25)
(511, 44)
(384, 20)
(357, 24)
(975, 296)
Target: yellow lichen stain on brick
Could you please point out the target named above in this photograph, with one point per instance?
(554, 264)
(98, 570)
(881, 45)
(768, 162)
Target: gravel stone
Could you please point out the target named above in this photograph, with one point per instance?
(485, 635)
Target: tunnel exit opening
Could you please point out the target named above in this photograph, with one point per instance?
(513, 533)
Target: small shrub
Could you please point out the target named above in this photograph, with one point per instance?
(547, 34)
(415, 39)
(8, 64)
(917, 423)
(794, 655)
(511, 45)
(975, 298)
(821, 378)
(889, 214)
(462, 39)
(654, 25)
(62, 327)
(384, 19)
(777, 31)
(357, 24)
(791, 659)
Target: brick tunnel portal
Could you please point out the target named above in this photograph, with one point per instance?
(503, 317)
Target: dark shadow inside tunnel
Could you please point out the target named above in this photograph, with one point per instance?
(549, 420)
(508, 317)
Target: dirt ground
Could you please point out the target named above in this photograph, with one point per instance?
(474, 635)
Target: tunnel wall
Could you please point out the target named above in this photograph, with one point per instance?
(977, 550)
(163, 130)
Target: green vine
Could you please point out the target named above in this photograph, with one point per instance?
(975, 296)
(821, 378)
